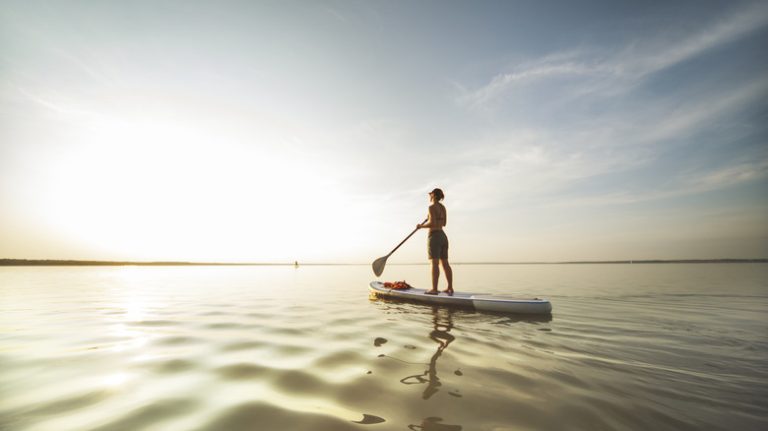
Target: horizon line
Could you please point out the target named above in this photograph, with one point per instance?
(76, 262)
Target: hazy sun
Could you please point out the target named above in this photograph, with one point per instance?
(145, 189)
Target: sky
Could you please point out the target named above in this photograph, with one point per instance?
(274, 131)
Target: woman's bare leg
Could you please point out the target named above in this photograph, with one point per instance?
(448, 275)
(435, 274)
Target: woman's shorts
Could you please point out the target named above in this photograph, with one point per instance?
(437, 245)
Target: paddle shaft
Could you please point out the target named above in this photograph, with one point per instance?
(406, 238)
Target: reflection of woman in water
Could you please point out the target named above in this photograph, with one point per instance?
(442, 323)
(440, 334)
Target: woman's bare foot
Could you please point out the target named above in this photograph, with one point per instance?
(431, 292)
(449, 291)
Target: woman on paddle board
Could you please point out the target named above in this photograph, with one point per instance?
(437, 242)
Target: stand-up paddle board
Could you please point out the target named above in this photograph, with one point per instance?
(478, 301)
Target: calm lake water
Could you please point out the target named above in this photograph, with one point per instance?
(638, 347)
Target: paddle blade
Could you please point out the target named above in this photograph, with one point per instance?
(378, 265)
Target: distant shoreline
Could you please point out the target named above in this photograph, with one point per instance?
(52, 262)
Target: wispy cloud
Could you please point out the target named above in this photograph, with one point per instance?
(719, 178)
(662, 54)
(617, 71)
(690, 117)
(57, 106)
(727, 176)
(567, 148)
(544, 165)
(552, 66)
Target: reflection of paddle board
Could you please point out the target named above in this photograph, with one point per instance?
(478, 301)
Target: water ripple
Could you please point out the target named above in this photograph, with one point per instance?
(223, 349)
(259, 415)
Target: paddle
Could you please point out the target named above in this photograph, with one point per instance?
(378, 264)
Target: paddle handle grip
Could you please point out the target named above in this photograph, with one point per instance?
(406, 238)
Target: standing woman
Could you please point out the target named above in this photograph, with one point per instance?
(437, 244)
